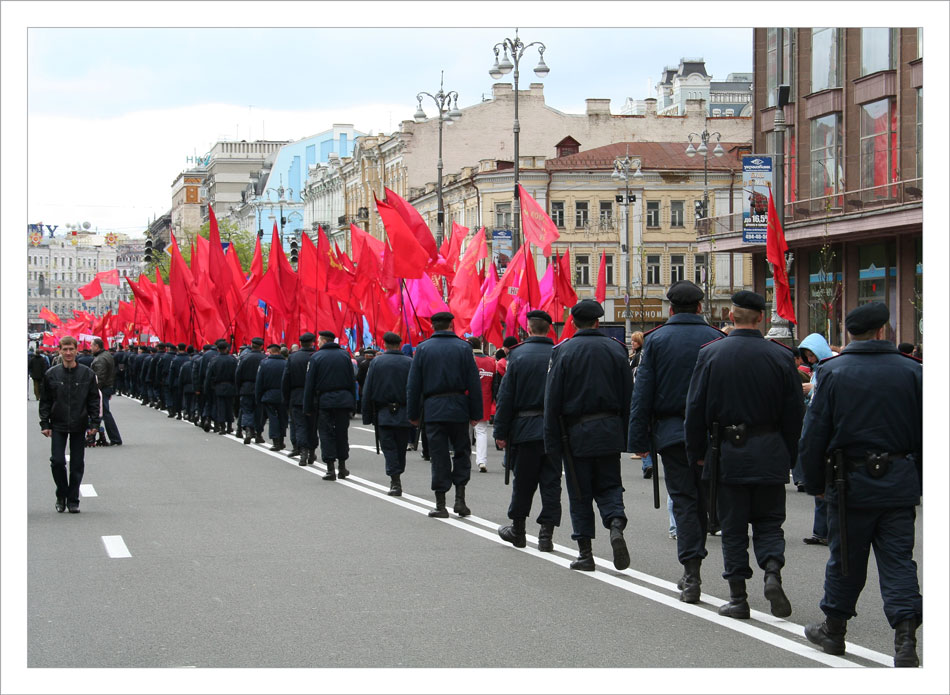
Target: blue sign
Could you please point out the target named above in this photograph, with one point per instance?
(756, 183)
(501, 248)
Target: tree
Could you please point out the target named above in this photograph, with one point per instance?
(825, 295)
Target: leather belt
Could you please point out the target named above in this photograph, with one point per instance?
(446, 393)
(738, 434)
(876, 464)
(529, 413)
(590, 417)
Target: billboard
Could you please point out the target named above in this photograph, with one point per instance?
(756, 180)
(501, 248)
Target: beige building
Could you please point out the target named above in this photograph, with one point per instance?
(189, 204)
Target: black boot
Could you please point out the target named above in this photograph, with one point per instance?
(905, 644)
(619, 545)
(781, 608)
(331, 470)
(259, 438)
(691, 581)
(278, 444)
(828, 635)
(546, 538)
(206, 425)
(294, 452)
(738, 606)
(514, 533)
(460, 507)
(171, 413)
(178, 416)
(343, 471)
(248, 433)
(395, 486)
(304, 457)
(585, 556)
(440, 512)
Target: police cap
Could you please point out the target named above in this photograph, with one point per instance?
(257, 341)
(684, 293)
(744, 299)
(587, 310)
(307, 337)
(538, 314)
(443, 316)
(867, 317)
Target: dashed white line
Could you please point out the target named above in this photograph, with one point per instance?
(115, 546)
(87, 491)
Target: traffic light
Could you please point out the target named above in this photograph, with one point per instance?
(148, 250)
(293, 251)
(700, 211)
(260, 233)
(283, 221)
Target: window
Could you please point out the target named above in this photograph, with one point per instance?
(677, 268)
(557, 213)
(825, 59)
(609, 268)
(878, 49)
(653, 213)
(606, 212)
(827, 174)
(877, 278)
(699, 269)
(717, 112)
(582, 270)
(503, 216)
(581, 214)
(653, 270)
(771, 66)
(676, 213)
(878, 147)
(920, 132)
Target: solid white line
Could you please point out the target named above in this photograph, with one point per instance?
(471, 524)
(365, 429)
(87, 491)
(115, 546)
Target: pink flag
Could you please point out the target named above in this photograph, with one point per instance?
(600, 294)
(538, 227)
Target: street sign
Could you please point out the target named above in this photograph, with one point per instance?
(756, 180)
(652, 310)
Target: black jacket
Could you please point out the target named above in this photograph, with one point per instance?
(444, 377)
(521, 390)
(386, 379)
(220, 377)
(270, 377)
(246, 374)
(103, 364)
(295, 375)
(69, 401)
(38, 365)
(329, 374)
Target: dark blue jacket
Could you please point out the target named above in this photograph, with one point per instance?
(173, 379)
(204, 363)
(330, 374)
(270, 377)
(666, 364)
(443, 381)
(220, 377)
(745, 379)
(295, 375)
(186, 377)
(522, 389)
(245, 377)
(589, 375)
(867, 399)
(386, 381)
(148, 364)
(164, 365)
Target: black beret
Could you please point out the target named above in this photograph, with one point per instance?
(307, 337)
(207, 346)
(369, 351)
(443, 316)
(273, 345)
(191, 349)
(749, 300)
(587, 310)
(392, 338)
(510, 341)
(221, 343)
(684, 292)
(181, 346)
(906, 348)
(257, 341)
(538, 314)
(867, 317)
(329, 335)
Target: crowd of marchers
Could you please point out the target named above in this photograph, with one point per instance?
(728, 414)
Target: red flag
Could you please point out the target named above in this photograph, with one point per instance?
(50, 316)
(539, 229)
(600, 294)
(775, 253)
(529, 290)
(565, 286)
(93, 289)
(409, 257)
(420, 230)
(110, 277)
(257, 271)
(360, 240)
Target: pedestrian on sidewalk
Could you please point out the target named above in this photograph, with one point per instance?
(69, 412)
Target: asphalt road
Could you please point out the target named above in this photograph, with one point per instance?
(238, 557)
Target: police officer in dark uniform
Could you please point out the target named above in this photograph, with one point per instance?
(219, 385)
(866, 414)
(149, 378)
(268, 394)
(172, 381)
(138, 365)
(587, 402)
(329, 397)
(302, 429)
(186, 385)
(519, 427)
(245, 378)
(749, 387)
(120, 356)
(205, 399)
(657, 412)
(444, 390)
(384, 405)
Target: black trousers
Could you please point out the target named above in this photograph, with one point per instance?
(68, 487)
(302, 428)
(393, 442)
(599, 480)
(334, 426)
(252, 413)
(449, 470)
(276, 415)
(187, 402)
(685, 485)
(533, 470)
(762, 507)
(224, 409)
(112, 430)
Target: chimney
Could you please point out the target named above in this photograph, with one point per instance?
(502, 89)
(598, 107)
(536, 90)
(650, 107)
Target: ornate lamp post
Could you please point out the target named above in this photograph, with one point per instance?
(280, 191)
(447, 104)
(517, 49)
(622, 167)
(702, 211)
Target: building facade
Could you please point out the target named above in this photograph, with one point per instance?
(189, 203)
(852, 162)
(690, 81)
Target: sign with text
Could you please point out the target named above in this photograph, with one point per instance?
(501, 248)
(652, 310)
(756, 179)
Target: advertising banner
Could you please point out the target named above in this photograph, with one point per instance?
(501, 248)
(756, 179)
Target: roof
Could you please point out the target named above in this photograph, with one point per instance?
(653, 156)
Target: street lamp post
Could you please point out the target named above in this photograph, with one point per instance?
(280, 190)
(622, 167)
(448, 106)
(517, 49)
(702, 213)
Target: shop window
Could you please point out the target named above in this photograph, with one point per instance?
(877, 279)
(824, 293)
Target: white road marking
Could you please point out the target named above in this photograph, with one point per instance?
(115, 546)
(365, 429)
(87, 491)
(471, 524)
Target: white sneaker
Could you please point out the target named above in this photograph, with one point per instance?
(482, 468)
